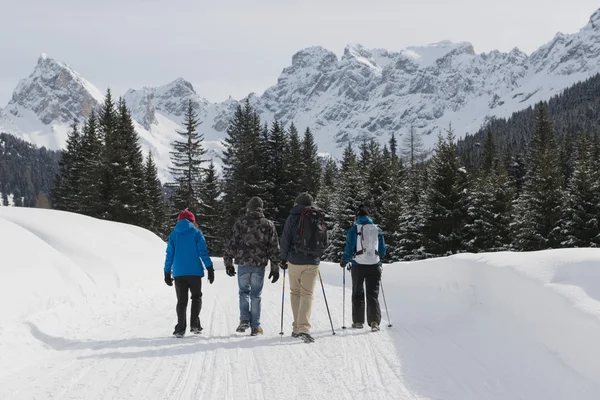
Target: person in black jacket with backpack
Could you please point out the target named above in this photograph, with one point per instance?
(302, 243)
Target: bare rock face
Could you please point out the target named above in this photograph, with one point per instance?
(54, 93)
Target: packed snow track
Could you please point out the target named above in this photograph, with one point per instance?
(85, 315)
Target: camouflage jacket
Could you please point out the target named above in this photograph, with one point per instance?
(254, 242)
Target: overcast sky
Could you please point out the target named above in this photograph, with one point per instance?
(234, 47)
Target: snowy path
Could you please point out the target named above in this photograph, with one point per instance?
(84, 314)
(128, 354)
(123, 351)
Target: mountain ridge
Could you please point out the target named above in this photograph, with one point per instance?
(365, 93)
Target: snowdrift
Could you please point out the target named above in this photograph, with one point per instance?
(84, 313)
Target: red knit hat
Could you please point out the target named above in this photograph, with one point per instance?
(186, 214)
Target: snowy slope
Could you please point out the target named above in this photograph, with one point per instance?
(85, 314)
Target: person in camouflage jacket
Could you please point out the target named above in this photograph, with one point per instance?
(253, 244)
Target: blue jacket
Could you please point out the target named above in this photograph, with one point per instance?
(185, 248)
(351, 240)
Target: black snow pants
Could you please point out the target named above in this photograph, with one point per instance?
(183, 285)
(369, 276)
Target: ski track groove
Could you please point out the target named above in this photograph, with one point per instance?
(97, 364)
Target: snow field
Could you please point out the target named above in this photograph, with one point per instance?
(84, 313)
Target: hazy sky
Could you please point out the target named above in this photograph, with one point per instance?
(233, 47)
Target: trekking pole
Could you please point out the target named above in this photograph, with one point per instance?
(326, 304)
(282, 301)
(344, 301)
(385, 302)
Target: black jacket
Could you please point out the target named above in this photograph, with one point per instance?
(290, 232)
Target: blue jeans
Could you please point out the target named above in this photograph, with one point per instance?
(250, 282)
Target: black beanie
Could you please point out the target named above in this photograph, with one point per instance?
(254, 204)
(304, 199)
(362, 211)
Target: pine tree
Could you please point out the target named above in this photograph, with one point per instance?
(91, 169)
(231, 168)
(489, 152)
(125, 165)
(155, 203)
(107, 124)
(277, 175)
(65, 193)
(187, 158)
(567, 159)
(489, 212)
(581, 225)
(211, 212)
(538, 210)
(349, 196)
(241, 163)
(311, 178)
(294, 167)
(413, 150)
(445, 200)
(407, 238)
(326, 200)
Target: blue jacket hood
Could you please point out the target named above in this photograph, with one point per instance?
(184, 225)
(364, 221)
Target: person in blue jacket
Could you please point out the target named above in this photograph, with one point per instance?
(187, 256)
(365, 248)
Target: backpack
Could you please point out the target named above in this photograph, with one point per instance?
(367, 244)
(312, 232)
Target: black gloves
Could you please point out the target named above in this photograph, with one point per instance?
(168, 279)
(343, 263)
(275, 275)
(284, 264)
(230, 270)
(211, 274)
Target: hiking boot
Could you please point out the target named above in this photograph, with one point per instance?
(243, 326)
(178, 335)
(196, 331)
(256, 331)
(306, 337)
(374, 327)
(357, 325)
(295, 335)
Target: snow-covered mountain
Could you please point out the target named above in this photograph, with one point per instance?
(365, 93)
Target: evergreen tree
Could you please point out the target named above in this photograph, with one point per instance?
(91, 170)
(326, 200)
(581, 225)
(295, 167)
(187, 158)
(407, 238)
(413, 150)
(311, 178)
(125, 167)
(538, 210)
(210, 217)
(489, 152)
(349, 196)
(279, 209)
(241, 163)
(65, 193)
(445, 200)
(489, 212)
(155, 203)
(567, 159)
(107, 124)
